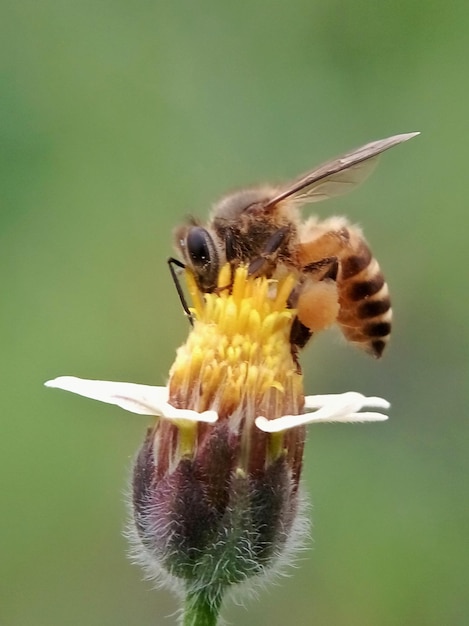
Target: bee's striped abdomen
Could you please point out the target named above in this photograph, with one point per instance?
(365, 313)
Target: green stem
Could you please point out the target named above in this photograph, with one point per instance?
(201, 610)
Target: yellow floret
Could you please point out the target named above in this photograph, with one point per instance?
(238, 355)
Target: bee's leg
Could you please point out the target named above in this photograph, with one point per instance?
(263, 263)
(333, 269)
(316, 300)
(232, 256)
(174, 275)
(299, 334)
(230, 246)
(323, 269)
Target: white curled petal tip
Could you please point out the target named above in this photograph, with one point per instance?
(344, 407)
(281, 423)
(351, 400)
(180, 415)
(377, 403)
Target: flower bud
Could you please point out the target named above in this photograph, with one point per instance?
(216, 504)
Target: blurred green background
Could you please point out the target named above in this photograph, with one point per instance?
(118, 118)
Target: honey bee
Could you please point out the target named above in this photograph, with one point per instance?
(338, 278)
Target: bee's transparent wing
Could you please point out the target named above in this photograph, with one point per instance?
(340, 175)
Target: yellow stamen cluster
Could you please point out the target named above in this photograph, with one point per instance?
(237, 359)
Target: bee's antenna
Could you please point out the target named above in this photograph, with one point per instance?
(175, 262)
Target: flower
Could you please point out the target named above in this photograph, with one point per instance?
(216, 497)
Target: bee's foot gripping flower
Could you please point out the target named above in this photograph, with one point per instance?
(216, 483)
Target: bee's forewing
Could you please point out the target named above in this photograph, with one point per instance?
(339, 175)
(337, 184)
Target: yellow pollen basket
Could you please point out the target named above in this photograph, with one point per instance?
(237, 358)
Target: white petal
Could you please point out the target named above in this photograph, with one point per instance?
(342, 407)
(141, 399)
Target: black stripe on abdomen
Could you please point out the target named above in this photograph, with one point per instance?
(355, 263)
(377, 329)
(366, 288)
(373, 308)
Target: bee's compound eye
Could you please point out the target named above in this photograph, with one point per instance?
(200, 246)
(203, 256)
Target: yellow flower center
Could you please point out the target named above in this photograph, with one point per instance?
(237, 359)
